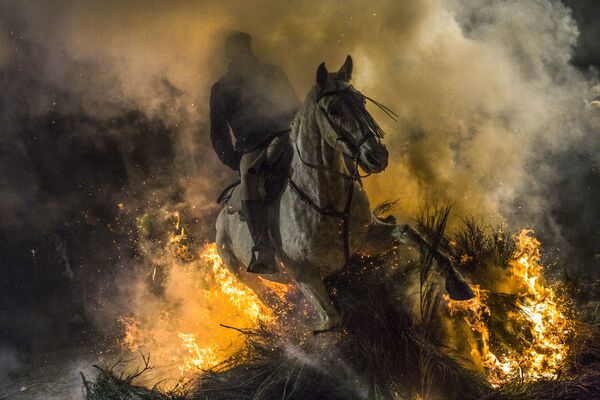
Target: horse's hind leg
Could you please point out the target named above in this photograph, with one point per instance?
(311, 284)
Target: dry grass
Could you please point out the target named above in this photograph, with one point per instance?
(381, 351)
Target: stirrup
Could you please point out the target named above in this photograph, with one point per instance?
(261, 267)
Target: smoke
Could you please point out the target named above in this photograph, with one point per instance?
(588, 49)
(480, 88)
(106, 104)
(9, 361)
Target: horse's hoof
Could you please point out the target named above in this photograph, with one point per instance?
(458, 288)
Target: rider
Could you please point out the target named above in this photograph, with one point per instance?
(257, 103)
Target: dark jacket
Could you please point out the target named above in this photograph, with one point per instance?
(256, 101)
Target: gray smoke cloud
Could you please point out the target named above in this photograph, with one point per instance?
(480, 88)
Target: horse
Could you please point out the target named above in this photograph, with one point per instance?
(322, 217)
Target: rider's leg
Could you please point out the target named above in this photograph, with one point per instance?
(263, 260)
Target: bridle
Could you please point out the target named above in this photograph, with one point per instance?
(342, 134)
(372, 131)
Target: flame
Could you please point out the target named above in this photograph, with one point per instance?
(242, 298)
(132, 336)
(178, 243)
(239, 295)
(542, 313)
(199, 358)
(181, 326)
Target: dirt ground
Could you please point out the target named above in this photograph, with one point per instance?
(54, 375)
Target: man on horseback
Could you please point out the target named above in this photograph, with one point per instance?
(257, 103)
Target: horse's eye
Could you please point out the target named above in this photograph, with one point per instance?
(334, 111)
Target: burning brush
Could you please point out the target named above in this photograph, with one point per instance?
(519, 332)
(538, 321)
(518, 329)
(187, 296)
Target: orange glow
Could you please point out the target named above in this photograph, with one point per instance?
(181, 328)
(542, 315)
(279, 289)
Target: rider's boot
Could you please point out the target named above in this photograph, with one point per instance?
(263, 256)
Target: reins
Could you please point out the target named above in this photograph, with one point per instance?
(367, 123)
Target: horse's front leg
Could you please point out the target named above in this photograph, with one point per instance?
(456, 286)
(311, 284)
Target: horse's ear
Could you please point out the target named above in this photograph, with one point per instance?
(345, 71)
(322, 75)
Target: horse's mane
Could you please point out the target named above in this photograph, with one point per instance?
(354, 100)
(305, 114)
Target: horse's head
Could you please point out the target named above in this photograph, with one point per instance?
(344, 121)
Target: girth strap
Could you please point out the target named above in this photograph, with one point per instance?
(304, 197)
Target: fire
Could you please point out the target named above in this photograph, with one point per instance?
(132, 337)
(542, 314)
(178, 241)
(200, 358)
(239, 295)
(179, 321)
(242, 298)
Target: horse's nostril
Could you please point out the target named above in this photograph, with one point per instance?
(372, 160)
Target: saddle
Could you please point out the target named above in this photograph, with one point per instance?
(275, 172)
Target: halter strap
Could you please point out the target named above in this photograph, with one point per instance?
(343, 215)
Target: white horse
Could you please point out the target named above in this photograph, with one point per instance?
(323, 215)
